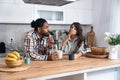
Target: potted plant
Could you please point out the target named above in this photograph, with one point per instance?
(113, 40)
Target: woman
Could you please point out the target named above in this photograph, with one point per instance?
(74, 40)
(38, 42)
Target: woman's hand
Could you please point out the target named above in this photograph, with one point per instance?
(78, 55)
(67, 37)
(72, 31)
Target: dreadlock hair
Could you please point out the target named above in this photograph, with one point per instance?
(38, 23)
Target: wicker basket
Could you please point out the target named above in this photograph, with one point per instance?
(99, 50)
(13, 64)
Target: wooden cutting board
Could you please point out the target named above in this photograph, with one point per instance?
(90, 55)
(4, 68)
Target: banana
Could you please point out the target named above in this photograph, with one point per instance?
(10, 59)
(10, 55)
(16, 54)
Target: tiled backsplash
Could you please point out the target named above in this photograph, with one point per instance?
(18, 31)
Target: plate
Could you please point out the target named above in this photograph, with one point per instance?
(4, 68)
(91, 55)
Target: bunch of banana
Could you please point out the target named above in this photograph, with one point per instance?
(13, 56)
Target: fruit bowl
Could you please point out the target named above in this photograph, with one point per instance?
(14, 63)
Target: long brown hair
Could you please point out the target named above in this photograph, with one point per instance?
(79, 35)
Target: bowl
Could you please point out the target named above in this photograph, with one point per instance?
(14, 63)
(99, 50)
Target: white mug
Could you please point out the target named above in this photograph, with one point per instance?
(60, 54)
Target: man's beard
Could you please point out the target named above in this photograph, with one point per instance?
(45, 34)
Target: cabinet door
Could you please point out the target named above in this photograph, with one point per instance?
(110, 74)
(77, 15)
(53, 14)
(79, 11)
(71, 16)
(6, 1)
(10, 13)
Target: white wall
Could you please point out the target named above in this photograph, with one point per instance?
(18, 31)
(115, 17)
(106, 18)
(101, 19)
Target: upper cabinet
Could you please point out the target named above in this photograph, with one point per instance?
(16, 11)
(76, 15)
(6, 1)
(53, 14)
(80, 11)
(10, 13)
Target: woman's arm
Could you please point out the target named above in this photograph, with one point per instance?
(65, 40)
(71, 31)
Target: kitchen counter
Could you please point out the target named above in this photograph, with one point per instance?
(53, 69)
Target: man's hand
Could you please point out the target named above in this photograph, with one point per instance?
(50, 42)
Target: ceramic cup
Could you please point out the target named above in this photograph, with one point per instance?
(27, 60)
(71, 56)
(60, 54)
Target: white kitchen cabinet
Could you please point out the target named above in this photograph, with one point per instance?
(12, 2)
(70, 16)
(109, 74)
(76, 15)
(20, 12)
(53, 14)
(19, 2)
(10, 13)
(72, 77)
(16, 11)
(79, 11)
(6, 1)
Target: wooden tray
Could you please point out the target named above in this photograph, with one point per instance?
(4, 68)
(89, 54)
